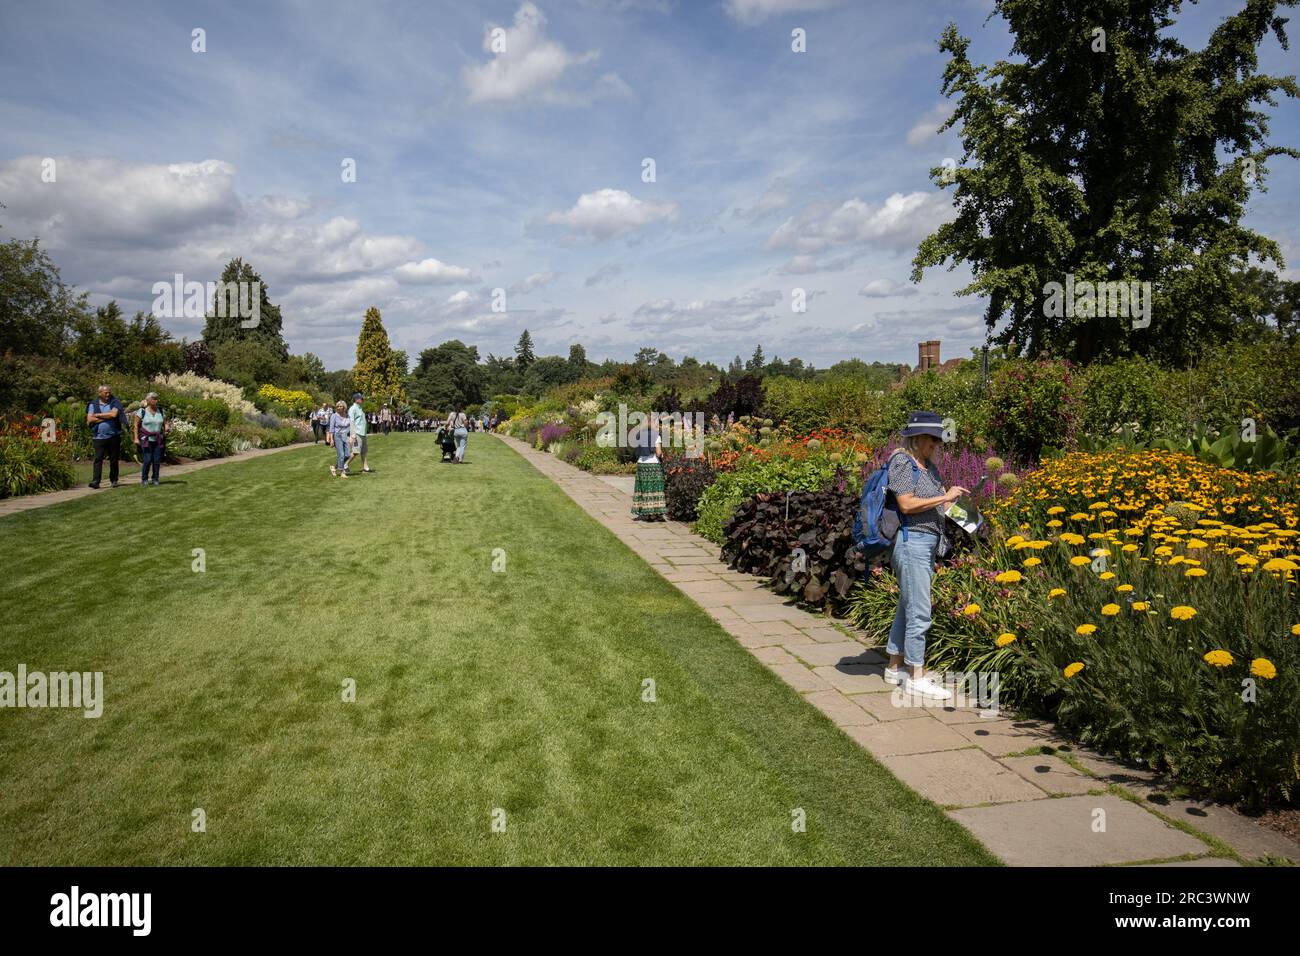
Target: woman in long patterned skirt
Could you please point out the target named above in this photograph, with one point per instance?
(648, 502)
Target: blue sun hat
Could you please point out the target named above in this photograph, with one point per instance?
(924, 423)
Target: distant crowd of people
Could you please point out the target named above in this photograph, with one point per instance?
(346, 428)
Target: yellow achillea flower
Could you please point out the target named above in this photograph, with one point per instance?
(1130, 547)
(1053, 523)
(1106, 575)
(1247, 560)
(1280, 564)
(1032, 562)
(1263, 667)
(1124, 588)
(1014, 540)
(1197, 543)
(1069, 537)
(1110, 610)
(1079, 516)
(1004, 639)
(1056, 510)
(1182, 613)
(1060, 592)
(1085, 629)
(1141, 605)
(1164, 551)
(1218, 659)
(1008, 577)
(970, 610)
(1072, 669)
(1295, 630)
(1079, 560)
(1195, 573)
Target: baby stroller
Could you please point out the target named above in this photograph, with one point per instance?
(447, 442)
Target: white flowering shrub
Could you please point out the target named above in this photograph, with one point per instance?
(196, 386)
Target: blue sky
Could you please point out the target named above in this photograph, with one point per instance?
(519, 170)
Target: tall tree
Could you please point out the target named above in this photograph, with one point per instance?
(269, 330)
(447, 376)
(376, 373)
(37, 309)
(578, 358)
(756, 361)
(1108, 151)
(524, 356)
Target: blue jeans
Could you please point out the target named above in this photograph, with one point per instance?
(341, 450)
(150, 454)
(462, 437)
(913, 562)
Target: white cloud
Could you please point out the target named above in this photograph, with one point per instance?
(610, 213)
(776, 196)
(740, 313)
(603, 274)
(883, 288)
(751, 12)
(898, 222)
(925, 129)
(538, 280)
(96, 200)
(432, 272)
(526, 64)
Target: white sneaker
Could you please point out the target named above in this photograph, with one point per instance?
(334, 472)
(895, 675)
(925, 687)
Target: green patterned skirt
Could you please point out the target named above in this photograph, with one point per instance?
(648, 491)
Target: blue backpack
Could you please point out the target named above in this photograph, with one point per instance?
(878, 518)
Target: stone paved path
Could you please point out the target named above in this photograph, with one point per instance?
(985, 769)
(129, 476)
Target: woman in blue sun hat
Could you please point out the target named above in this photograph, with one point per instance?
(922, 499)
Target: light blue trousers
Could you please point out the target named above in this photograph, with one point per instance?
(913, 562)
(462, 437)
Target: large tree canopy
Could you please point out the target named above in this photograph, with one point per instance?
(376, 373)
(269, 330)
(447, 376)
(1108, 151)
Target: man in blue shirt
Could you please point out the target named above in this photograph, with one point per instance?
(106, 420)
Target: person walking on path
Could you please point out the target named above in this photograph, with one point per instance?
(921, 498)
(360, 446)
(648, 502)
(149, 428)
(458, 425)
(386, 418)
(339, 434)
(320, 420)
(107, 421)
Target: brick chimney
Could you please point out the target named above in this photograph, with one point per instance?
(927, 355)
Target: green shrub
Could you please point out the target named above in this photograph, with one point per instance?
(731, 488)
(30, 466)
(1129, 393)
(201, 442)
(211, 413)
(1035, 405)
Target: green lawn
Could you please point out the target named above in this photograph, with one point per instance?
(476, 690)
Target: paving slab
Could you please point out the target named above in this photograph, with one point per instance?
(915, 736)
(1052, 774)
(798, 677)
(1062, 832)
(848, 652)
(854, 678)
(1248, 838)
(1001, 737)
(839, 708)
(960, 778)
